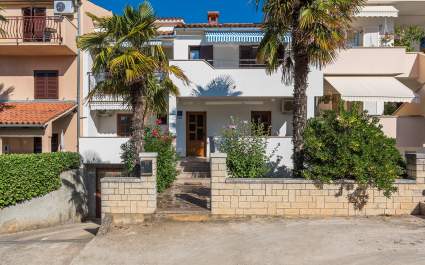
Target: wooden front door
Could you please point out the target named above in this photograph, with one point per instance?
(196, 133)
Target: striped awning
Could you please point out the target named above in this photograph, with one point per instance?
(237, 37)
(378, 11)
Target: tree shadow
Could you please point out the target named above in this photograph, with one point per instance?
(4, 96)
(218, 87)
(79, 196)
(277, 170)
(356, 193)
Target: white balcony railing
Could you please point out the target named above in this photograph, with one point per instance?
(101, 150)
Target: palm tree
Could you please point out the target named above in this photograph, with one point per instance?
(135, 69)
(318, 29)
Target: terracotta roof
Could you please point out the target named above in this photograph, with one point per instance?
(32, 113)
(222, 25)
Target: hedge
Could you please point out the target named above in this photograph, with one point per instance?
(25, 176)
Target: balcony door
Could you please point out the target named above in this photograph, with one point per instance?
(34, 23)
(196, 134)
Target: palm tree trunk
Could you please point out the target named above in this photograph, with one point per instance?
(138, 125)
(301, 70)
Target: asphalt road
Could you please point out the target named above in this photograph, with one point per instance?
(51, 246)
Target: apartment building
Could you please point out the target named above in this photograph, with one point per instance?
(40, 75)
(228, 81)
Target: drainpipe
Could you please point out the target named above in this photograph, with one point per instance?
(78, 75)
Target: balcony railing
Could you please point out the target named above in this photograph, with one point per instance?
(103, 102)
(32, 29)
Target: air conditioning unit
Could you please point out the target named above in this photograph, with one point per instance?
(287, 105)
(64, 7)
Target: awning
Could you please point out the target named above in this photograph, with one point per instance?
(238, 37)
(372, 88)
(378, 11)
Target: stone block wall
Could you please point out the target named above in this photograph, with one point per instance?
(130, 198)
(300, 197)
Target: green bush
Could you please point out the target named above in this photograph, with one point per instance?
(245, 145)
(350, 145)
(158, 142)
(25, 176)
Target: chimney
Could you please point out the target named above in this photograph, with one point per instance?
(213, 17)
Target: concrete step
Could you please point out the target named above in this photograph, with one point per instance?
(197, 175)
(192, 181)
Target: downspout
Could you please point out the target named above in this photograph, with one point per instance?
(78, 76)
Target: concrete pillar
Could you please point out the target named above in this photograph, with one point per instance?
(218, 177)
(416, 166)
(1, 145)
(172, 114)
(46, 139)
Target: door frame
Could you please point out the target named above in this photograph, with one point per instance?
(187, 130)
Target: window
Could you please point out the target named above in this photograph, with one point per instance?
(37, 145)
(204, 52)
(163, 119)
(248, 55)
(55, 142)
(46, 85)
(264, 118)
(124, 125)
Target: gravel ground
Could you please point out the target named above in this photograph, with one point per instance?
(378, 240)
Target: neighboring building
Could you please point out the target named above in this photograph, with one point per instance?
(39, 74)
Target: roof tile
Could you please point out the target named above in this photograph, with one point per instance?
(31, 113)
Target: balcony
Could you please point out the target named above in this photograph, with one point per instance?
(104, 102)
(31, 35)
(230, 79)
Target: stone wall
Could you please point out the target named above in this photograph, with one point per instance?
(128, 200)
(65, 205)
(300, 197)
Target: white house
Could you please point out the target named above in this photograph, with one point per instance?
(227, 81)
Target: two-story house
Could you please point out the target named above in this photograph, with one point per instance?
(40, 75)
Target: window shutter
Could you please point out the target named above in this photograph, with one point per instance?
(46, 85)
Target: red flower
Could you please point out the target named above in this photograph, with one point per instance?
(158, 122)
(155, 133)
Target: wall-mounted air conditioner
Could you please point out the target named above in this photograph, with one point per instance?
(287, 105)
(64, 7)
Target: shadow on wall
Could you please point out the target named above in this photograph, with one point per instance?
(78, 194)
(219, 86)
(5, 94)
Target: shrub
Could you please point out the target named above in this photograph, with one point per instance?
(351, 145)
(155, 141)
(245, 145)
(25, 176)
(407, 36)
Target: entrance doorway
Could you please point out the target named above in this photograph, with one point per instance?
(196, 134)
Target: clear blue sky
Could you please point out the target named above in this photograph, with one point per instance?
(194, 10)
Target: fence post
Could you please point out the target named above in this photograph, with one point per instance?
(127, 200)
(218, 179)
(416, 166)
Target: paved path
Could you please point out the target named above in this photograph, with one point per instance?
(333, 241)
(55, 245)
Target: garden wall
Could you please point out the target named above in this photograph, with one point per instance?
(300, 197)
(128, 200)
(67, 204)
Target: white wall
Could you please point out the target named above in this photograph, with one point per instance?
(246, 82)
(218, 116)
(101, 150)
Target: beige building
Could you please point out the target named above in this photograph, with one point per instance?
(40, 75)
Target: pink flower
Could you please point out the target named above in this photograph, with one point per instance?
(155, 133)
(158, 122)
